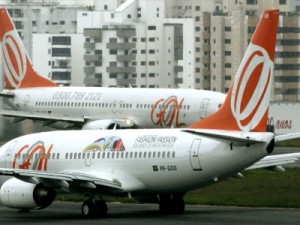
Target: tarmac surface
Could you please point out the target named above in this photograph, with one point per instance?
(70, 213)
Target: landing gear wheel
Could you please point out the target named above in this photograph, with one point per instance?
(165, 204)
(171, 203)
(101, 208)
(178, 204)
(88, 209)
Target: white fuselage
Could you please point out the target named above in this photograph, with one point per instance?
(148, 108)
(151, 161)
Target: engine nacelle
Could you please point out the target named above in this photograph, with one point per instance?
(101, 125)
(18, 194)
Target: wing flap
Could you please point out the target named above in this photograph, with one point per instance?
(34, 176)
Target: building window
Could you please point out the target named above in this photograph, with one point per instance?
(251, 2)
(151, 27)
(227, 65)
(61, 40)
(61, 52)
(228, 29)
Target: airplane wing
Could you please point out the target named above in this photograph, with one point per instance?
(63, 179)
(275, 160)
(50, 118)
(38, 116)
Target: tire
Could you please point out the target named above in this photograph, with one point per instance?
(101, 208)
(88, 209)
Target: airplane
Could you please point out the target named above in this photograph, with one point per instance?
(161, 163)
(32, 96)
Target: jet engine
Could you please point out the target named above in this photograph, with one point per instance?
(18, 194)
(101, 125)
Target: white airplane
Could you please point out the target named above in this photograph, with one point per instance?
(31, 96)
(165, 163)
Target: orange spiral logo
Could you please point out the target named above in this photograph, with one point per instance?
(14, 55)
(251, 89)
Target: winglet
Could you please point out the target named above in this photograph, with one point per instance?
(247, 102)
(18, 69)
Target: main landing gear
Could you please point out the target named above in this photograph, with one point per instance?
(94, 208)
(171, 203)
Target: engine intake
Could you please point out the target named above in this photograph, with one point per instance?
(15, 193)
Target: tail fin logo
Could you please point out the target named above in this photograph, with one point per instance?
(254, 75)
(15, 64)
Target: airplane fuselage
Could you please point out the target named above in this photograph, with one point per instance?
(151, 161)
(146, 108)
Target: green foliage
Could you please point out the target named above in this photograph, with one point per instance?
(259, 188)
(291, 143)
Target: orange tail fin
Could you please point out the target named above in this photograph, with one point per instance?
(18, 69)
(247, 102)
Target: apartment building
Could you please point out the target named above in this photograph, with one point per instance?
(155, 43)
(52, 26)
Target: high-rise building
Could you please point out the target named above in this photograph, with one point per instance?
(155, 43)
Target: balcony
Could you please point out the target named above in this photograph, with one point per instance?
(126, 58)
(92, 81)
(120, 69)
(88, 45)
(92, 58)
(92, 32)
(89, 69)
(126, 82)
(178, 69)
(178, 80)
(120, 46)
(126, 33)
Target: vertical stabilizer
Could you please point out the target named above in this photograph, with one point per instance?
(247, 102)
(18, 69)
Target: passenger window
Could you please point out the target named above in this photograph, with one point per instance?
(83, 155)
(149, 155)
(98, 155)
(57, 156)
(145, 155)
(131, 155)
(112, 155)
(154, 154)
(158, 154)
(107, 155)
(93, 156)
(88, 155)
(67, 156)
(163, 154)
(140, 155)
(103, 155)
(168, 154)
(173, 154)
(79, 155)
(75, 155)
(71, 155)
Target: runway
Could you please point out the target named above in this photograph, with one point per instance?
(70, 213)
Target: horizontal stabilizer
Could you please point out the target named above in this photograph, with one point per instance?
(226, 135)
(7, 94)
(276, 160)
(287, 137)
